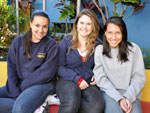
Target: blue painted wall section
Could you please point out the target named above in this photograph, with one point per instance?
(54, 12)
(138, 24)
(38, 5)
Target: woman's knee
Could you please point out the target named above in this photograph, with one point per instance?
(6, 105)
(111, 106)
(69, 95)
(67, 90)
(98, 106)
(92, 97)
(20, 108)
(33, 96)
(69, 104)
(70, 99)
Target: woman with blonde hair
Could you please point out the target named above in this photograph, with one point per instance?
(76, 88)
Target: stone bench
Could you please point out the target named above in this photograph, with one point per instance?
(145, 98)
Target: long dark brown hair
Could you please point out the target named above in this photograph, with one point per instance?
(27, 44)
(123, 45)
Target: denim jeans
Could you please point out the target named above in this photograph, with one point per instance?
(28, 101)
(111, 106)
(74, 100)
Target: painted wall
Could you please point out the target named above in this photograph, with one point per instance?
(139, 27)
(138, 24)
(54, 13)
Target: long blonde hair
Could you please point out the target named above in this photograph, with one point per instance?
(92, 36)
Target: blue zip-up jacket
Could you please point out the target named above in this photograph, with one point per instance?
(71, 66)
(23, 73)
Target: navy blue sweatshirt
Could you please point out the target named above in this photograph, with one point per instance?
(23, 73)
(71, 66)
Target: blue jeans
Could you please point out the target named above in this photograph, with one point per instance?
(28, 101)
(74, 100)
(111, 106)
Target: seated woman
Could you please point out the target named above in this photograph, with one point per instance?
(119, 69)
(32, 65)
(76, 89)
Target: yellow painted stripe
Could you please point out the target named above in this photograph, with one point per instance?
(146, 90)
(3, 73)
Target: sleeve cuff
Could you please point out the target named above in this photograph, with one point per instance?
(131, 98)
(79, 81)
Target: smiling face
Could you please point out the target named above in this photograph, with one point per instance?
(39, 27)
(113, 35)
(84, 26)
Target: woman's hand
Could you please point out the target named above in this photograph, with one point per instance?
(125, 105)
(83, 85)
(93, 81)
(129, 104)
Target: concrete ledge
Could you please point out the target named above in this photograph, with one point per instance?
(145, 98)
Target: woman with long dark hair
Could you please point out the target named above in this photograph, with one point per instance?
(119, 69)
(32, 65)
